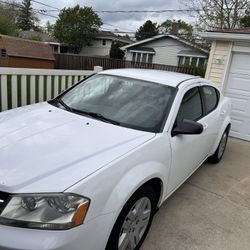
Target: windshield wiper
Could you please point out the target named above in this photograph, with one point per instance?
(60, 101)
(96, 115)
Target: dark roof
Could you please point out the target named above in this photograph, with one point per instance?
(237, 31)
(26, 48)
(138, 48)
(102, 34)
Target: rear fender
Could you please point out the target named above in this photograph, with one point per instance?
(225, 111)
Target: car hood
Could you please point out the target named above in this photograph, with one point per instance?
(47, 149)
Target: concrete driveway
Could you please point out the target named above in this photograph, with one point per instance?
(211, 210)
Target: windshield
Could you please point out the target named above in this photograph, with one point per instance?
(128, 102)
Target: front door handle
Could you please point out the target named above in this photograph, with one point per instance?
(223, 112)
(205, 126)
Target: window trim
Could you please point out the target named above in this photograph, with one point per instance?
(135, 55)
(182, 59)
(206, 112)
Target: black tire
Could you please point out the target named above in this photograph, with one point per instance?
(144, 192)
(217, 156)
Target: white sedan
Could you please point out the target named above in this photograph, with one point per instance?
(88, 170)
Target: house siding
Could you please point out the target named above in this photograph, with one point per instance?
(97, 49)
(166, 50)
(20, 62)
(217, 72)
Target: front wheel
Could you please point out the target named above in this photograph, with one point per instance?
(217, 156)
(134, 221)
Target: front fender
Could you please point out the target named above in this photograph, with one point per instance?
(132, 181)
(128, 185)
(111, 186)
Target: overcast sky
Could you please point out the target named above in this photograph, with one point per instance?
(124, 22)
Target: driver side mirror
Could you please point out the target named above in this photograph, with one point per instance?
(187, 127)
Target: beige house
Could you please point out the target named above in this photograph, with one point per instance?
(229, 68)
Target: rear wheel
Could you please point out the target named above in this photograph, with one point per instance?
(217, 156)
(134, 221)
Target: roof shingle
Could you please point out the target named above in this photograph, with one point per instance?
(26, 48)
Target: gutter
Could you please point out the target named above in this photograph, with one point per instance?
(225, 36)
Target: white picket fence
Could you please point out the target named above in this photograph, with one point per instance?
(19, 87)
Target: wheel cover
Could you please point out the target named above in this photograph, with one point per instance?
(135, 224)
(222, 146)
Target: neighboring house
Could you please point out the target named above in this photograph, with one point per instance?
(22, 53)
(229, 68)
(166, 49)
(100, 47)
(102, 44)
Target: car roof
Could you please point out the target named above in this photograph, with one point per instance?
(159, 76)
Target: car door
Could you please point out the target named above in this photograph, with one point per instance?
(212, 116)
(189, 151)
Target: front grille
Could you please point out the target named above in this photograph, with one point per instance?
(3, 198)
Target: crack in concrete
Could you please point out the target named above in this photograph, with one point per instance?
(204, 189)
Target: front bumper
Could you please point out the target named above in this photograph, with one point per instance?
(92, 235)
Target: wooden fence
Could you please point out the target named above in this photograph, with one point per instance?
(19, 87)
(78, 62)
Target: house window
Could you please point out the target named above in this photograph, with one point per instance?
(134, 56)
(56, 48)
(150, 58)
(187, 60)
(181, 61)
(3, 53)
(104, 42)
(193, 61)
(138, 59)
(202, 62)
(142, 57)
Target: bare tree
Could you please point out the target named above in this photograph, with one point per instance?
(219, 14)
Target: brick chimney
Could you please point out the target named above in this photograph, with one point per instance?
(175, 29)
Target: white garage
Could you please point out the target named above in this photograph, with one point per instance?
(238, 89)
(229, 68)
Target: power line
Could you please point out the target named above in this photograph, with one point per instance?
(146, 11)
(46, 5)
(41, 12)
(38, 11)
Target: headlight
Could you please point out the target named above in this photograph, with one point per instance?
(45, 211)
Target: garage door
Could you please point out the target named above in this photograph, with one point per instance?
(238, 89)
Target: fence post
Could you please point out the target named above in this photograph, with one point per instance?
(98, 69)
